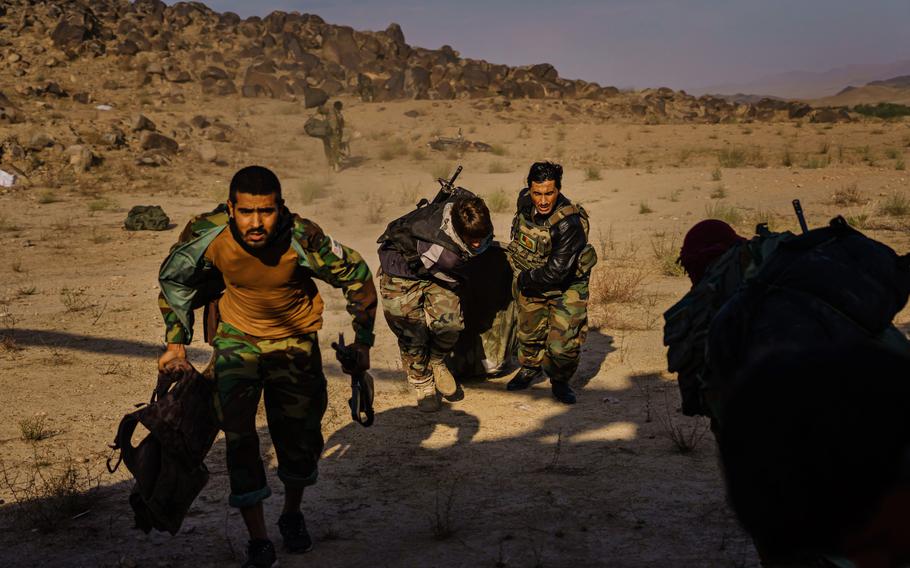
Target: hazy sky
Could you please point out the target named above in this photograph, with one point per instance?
(640, 43)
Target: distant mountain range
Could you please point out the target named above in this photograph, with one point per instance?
(813, 85)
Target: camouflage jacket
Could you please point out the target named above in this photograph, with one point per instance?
(188, 281)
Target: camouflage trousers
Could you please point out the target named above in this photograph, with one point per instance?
(426, 318)
(289, 371)
(551, 330)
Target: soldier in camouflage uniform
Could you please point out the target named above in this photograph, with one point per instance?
(419, 256)
(264, 259)
(552, 260)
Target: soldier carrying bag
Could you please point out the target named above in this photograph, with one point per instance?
(168, 463)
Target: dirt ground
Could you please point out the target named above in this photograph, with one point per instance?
(498, 479)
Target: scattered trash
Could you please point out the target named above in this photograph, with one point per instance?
(104, 107)
(7, 179)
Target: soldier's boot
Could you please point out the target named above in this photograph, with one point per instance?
(523, 378)
(445, 382)
(294, 534)
(260, 553)
(562, 392)
(427, 400)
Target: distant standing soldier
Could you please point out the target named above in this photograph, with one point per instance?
(336, 124)
(264, 258)
(419, 256)
(552, 260)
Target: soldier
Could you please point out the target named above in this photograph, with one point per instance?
(419, 256)
(264, 258)
(336, 124)
(552, 260)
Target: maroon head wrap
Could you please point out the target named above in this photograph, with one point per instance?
(704, 243)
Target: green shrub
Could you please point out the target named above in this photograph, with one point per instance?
(883, 110)
(724, 212)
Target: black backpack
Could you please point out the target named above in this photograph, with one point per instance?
(168, 463)
(830, 286)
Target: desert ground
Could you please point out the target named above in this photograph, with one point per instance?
(497, 479)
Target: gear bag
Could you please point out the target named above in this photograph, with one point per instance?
(168, 463)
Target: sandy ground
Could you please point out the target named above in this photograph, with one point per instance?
(498, 479)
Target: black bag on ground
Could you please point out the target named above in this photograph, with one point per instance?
(168, 463)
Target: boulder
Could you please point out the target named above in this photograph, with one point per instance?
(257, 84)
(39, 141)
(81, 158)
(314, 97)
(158, 142)
(142, 122)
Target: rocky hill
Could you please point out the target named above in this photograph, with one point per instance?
(187, 49)
(893, 90)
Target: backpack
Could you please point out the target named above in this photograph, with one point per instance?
(830, 286)
(317, 128)
(168, 463)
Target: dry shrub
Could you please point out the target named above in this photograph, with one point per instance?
(616, 285)
(666, 253)
(724, 212)
(375, 210)
(312, 189)
(46, 496)
(498, 168)
(394, 148)
(685, 433)
(35, 429)
(498, 201)
(848, 195)
(895, 205)
(441, 521)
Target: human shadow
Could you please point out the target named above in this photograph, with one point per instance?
(500, 479)
(94, 344)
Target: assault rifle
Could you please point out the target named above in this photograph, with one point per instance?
(447, 190)
(361, 401)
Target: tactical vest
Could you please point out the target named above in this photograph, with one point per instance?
(424, 223)
(532, 244)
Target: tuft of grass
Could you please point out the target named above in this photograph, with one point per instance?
(74, 299)
(716, 174)
(814, 163)
(786, 159)
(895, 205)
(16, 265)
(48, 196)
(312, 189)
(592, 173)
(848, 195)
(499, 150)
(900, 165)
(35, 429)
(498, 168)
(8, 226)
(892, 153)
(442, 170)
(391, 149)
(719, 192)
(27, 291)
(409, 194)
(644, 208)
(498, 201)
(441, 521)
(418, 154)
(375, 210)
(737, 157)
(724, 212)
(102, 204)
(685, 433)
(666, 252)
(859, 221)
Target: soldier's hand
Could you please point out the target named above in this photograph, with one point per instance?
(363, 358)
(173, 358)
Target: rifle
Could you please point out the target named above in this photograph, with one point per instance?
(447, 190)
(361, 401)
(798, 208)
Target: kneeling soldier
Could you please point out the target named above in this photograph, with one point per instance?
(552, 260)
(419, 256)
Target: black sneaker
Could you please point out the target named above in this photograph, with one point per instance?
(524, 378)
(562, 392)
(294, 534)
(260, 553)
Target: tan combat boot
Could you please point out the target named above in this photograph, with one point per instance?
(427, 401)
(445, 382)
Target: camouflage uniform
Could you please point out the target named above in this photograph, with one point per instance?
(289, 370)
(426, 318)
(552, 323)
(551, 330)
